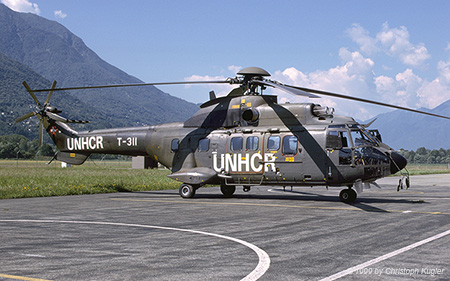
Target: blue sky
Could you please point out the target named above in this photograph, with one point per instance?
(391, 51)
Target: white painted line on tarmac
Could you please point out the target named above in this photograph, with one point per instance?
(260, 269)
(384, 257)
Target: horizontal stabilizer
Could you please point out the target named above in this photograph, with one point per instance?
(71, 157)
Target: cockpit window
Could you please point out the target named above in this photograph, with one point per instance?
(369, 135)
(360, 137)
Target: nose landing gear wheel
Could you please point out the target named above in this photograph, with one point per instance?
(347, 195)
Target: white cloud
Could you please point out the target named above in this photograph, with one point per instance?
(59, 14)
(234, 68)
(23, 6)
(432, 94)
(400, 90)
(219, 89)
(394, 42)
(361, 36)
(354, 77)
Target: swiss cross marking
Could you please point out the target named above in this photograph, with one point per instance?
(53, 130)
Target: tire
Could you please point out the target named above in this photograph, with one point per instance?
(347, 195)
(187, 190)
(227, 190)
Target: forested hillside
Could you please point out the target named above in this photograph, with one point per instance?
(53, 52)
(15, 101)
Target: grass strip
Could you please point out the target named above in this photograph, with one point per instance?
(35, 180)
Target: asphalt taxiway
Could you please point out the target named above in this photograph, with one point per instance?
(265, 234)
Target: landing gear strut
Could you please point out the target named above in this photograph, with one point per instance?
(348, 195)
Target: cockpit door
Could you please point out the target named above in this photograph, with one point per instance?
(338, 146)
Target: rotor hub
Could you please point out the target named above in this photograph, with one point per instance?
(253, 71)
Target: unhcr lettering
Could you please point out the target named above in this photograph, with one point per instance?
(84, 143)
(238, 162)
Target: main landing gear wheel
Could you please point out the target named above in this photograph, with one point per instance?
(227, 190)
(187, 190)
(348, 195)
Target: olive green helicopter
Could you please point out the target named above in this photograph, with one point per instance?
(243, 139)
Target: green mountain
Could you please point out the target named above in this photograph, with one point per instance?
(54, 53)
(15, 101)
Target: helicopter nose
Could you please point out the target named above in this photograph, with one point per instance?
(398, 162)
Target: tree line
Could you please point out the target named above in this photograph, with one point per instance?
(20, 147)
(17, 146)
(426, 156)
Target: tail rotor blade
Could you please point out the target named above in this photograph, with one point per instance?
(77, 121)
(50, 93)
(56, 117)
(41, 133)
(26, 116)
(31, 92)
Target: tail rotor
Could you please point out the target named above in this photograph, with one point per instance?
(45, 112)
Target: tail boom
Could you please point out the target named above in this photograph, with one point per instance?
(75, 147)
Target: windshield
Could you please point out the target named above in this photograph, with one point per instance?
(361, 137)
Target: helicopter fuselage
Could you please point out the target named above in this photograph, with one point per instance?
(248, 141)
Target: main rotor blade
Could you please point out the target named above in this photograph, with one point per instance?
(133, 85)
(341, 96)
(31, 92)
(287, 89)
(50, 93)
(26, 116)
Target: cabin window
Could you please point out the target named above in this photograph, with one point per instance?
(203, 145)
(237, 143)
(174, 145)
(273, 143)
(290, 145)
(252, 143)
